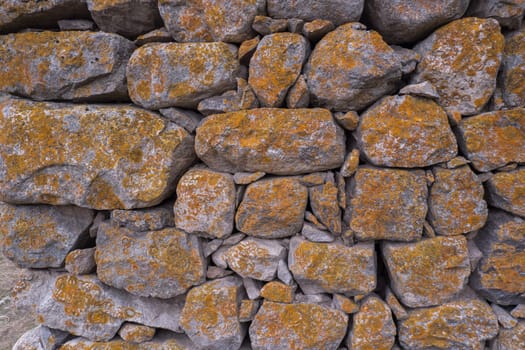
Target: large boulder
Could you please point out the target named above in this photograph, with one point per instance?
(336, 11)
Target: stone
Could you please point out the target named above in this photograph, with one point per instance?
(407, 132)
(424, 89)
(313, 179)
(274, 141)
(349, 121)
(398, 310)
(248, 309)
(267, 25)
(205, 203)
(253, 288)
(159, 35)
(278, 292)
(372, 326)
(75, 154)
(409, 59)
(188, 119)
(79, 66)
(147, 219)
(230, 101)
(333, 267)
(283, 273)
(81, 261)
(316, 29)
(247, 178)
(461, 59)
(462, 324)
(351, 68)
(387, 204)
(338, 11)
(219, 257)
(247, 49)
(341, 189)
(494, 139)
(403, 22)
(41, 338)
(165, 75)
(295, 25)
(75, 24)
(211, 246)
(474, 254)
(279, 326)
(324, 204)
(440, 274)
(513, 70)
(313, 234)
(298, 95)
(457, 162)
(498, 276)
(344, 304)
(322, 299)
(256, 258)
(210, 20)
(276, 65)
(164, 341)
(506, 190)
(455, 204)
(99, 218)
(504, 318)
(159, 264)
(41, 236)
(136, 333)
(211, 314)
(234, 239)
(126, 17)
(428, 230)
(518, 311)
(509, 14)
(511, 339)
(214, 272)
(272, 208)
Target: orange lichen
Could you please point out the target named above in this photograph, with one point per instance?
(278, 292)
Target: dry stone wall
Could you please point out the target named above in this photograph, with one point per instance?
(265, 175)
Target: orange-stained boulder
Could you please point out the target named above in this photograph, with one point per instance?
(513, 69)
(506, 190)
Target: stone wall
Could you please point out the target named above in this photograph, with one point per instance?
(265, 174)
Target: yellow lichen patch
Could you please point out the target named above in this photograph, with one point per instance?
(507, 191)
(514, 70)
(136, 333)
(323, 200)
(119, 344)
(278, 292)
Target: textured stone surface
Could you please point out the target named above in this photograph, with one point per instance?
(302, 326)
(267, 25)
(210, 20)
(350, 68)
(147, 219)
(274, 141)
(509, 14)
(272, 208)
(406, 132)
(230, 101)
(160, 264)
(41, 236)
(429, 272)
(424, 89)
(159, 35)
(387, 204)
(165, 341)
(332, 267)
(499, 276)
(205, 203)
(276, 65)
(81, 261)
(135, 333)
(494, 139)
(338, 11)
(41, 338)
(506, 190)
(323, 201)
(511, 339)
(278, 292)
(80, 66)
(461, 60)
(180, 74)
(513, 69)
(186, 118)
(299, 95)
(456, 202)
(211, 314)
(75, 154)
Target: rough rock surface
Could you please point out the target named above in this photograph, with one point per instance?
(406, 132)
(80, 66)
(278, 292)
(509, 14)
(513, 69)
(506, 190)
(461, 60)
(180, 74)
(350, 68)
(274, 141)
(75, 154)
(41, 338)
(323, 201)
(147, 219)
(166, 341)
(511, 339)
(81, 261)
(135, 333)
(337, 11)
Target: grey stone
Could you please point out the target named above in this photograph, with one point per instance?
(81, 261)
(75, 24)
(243, 178)
(136, 333)
(337, 11)
(504, 317)
(147, 219)
(298, 95)
(409, 59)
(322, 299)
(161, 341)
(518, 311)
(41, 338)
(253, 288)
(215, 272)
(324, 204)
(398, 310)
(474, 254)
(283, 273)
(295, 25)
(313, 234)
(211, 247)
(267, 25)
(510, 339)
(234, 239)
(506, 189)
(219, 257)
(511, 91)
(316, 29)
(424, 89)
(159, 35)
(230, 101)
(188, 119)
(509, 14)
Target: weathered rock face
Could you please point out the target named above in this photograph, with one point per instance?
(461, 60)
(211, 20)
(147, 219)
(280, 326)
(162, 342)
(324, 204)
(494, 139)
(81, 66)
(338, 11)
(387, 204)
(41, 236)
(402, 21)
(499, 276)
(41, 338)
(406, 132)
(180, 74)
(161, 264)
(205, 203)
(506, 190)
(508, 13)
(350, 68)
(274, 141)
(513, 70)
(76, 154)
(511, 339)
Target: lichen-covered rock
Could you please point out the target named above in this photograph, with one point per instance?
(130, 18)
(102, 157)
(160, 264)
(211, 20)
(513, 70)
(41, 338)
(272, 208)
(278, 292)
(372, 326)
(337, 11)
(350, 68)
(81, 261)
(147, 219)
(333, 267)
(387, 204)
(230, 101)
(429, 272)
(461, 60)
(511, 339)
(404, 21)
(80, 66)
(456, 202)
(323, 200)
(302, 326)
(211, 315)
(499, 275)
(494, 139)
(180, 74)
(461, 324)
(509, 14)
(186, 118)
(205, 203)
(40, 236)
(136, 333)
(159, 35)
(406, 132)
(164, 341)
(506, 190)
(274, 141)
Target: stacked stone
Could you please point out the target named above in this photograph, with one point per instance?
(265, 174)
